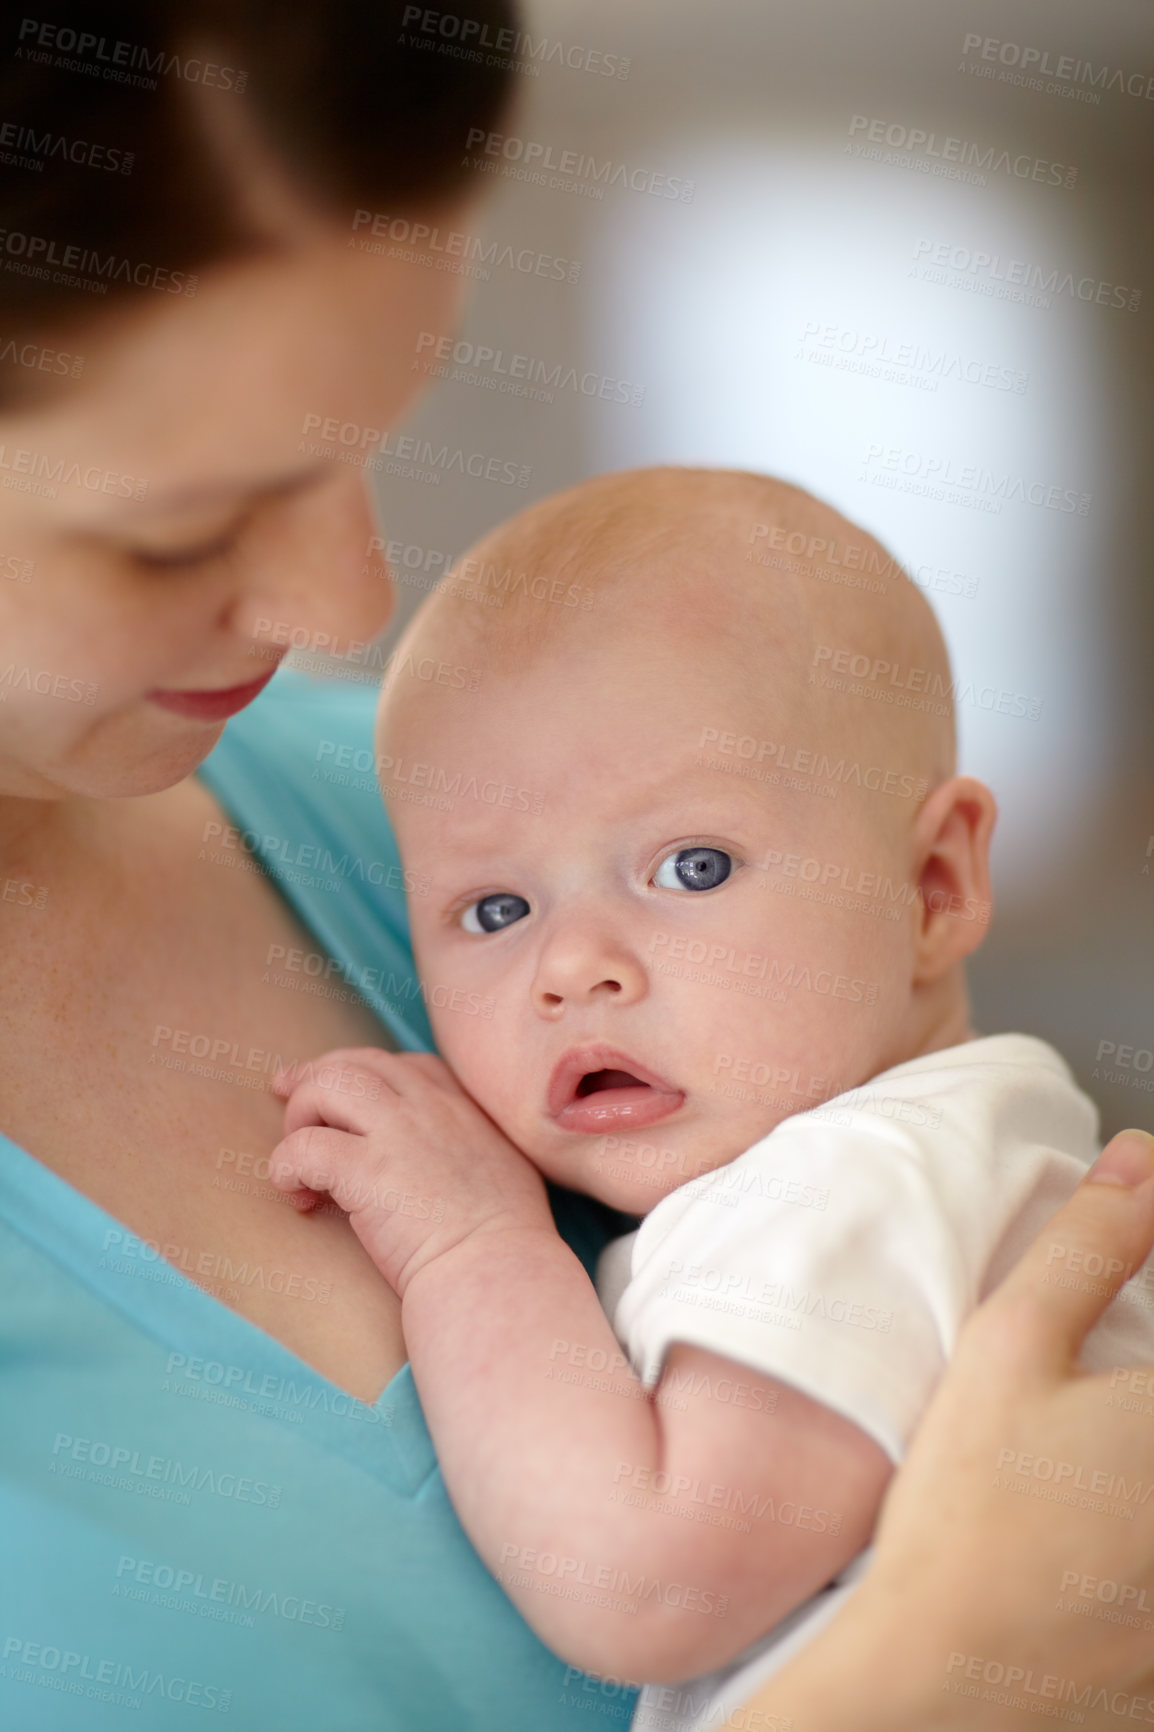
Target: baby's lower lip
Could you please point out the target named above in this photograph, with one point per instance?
(619, 1109)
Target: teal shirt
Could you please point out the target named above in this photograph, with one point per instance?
(193, 1522)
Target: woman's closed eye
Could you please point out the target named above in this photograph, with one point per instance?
(202, 538)
(179, 558)
(494, 912)
(697, 868)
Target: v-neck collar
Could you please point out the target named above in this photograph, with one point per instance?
(387, 1439)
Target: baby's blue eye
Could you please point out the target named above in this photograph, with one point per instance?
(494, 913)
(694, 869)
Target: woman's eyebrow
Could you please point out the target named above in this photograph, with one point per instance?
(224, 491)
(210, 495)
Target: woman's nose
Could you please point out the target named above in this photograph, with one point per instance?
(312, 567)
(581, 966)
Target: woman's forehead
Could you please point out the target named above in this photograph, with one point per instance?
(206, 400)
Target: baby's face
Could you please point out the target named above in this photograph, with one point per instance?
(617, 960)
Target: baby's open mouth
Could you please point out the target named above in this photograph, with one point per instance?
(595, 1089)
(595, 1080)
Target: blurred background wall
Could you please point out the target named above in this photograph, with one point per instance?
(903, 255)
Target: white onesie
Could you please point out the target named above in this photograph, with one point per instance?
(843, 1252)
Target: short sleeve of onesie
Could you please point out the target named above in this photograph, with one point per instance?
(843, 1251)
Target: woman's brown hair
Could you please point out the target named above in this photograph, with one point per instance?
(109, 189)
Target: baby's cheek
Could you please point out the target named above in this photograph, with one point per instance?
(777, 1050)
(447, 1037)
(482, 1057)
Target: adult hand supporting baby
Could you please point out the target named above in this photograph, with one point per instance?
(970, 1614)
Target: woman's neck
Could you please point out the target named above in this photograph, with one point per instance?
(76, 836)
(33, 831)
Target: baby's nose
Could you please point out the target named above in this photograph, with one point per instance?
(580, 968)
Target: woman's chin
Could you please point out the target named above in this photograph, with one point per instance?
(125, 757)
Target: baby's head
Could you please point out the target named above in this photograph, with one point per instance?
(697, 855)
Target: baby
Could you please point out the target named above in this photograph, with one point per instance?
(698, 850)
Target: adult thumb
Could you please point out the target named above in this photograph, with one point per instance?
(1083, 1255)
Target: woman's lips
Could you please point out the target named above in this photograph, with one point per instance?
(600, 1088)
(210, 706)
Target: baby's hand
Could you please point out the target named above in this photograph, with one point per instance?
(398, 1144)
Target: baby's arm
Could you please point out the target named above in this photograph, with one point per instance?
(647, 1538)
(587, 1498)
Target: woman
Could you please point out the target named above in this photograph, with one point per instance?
(218, 1490)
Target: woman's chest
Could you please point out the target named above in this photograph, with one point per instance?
(139, 1043)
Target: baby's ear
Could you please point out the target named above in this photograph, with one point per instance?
(951, 868)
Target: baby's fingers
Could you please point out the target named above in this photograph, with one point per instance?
(315, 1161)
(335, 1070)
(346, 1098)
(304, 1200)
